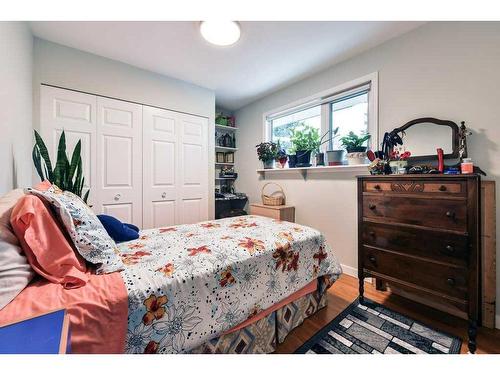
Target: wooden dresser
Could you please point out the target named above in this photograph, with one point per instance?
(421, 233)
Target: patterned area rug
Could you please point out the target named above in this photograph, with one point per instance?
(373, 328)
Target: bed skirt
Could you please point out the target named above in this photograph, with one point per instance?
(263, 335)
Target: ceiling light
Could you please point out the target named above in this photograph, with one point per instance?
(220, 33)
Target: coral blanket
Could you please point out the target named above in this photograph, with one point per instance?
(97, 311)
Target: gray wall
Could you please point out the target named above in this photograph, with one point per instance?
(16, 69)
(70, 68)
(444, 70)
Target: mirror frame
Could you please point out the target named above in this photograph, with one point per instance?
(436, 121)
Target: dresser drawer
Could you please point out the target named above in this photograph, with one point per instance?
(451, 281)
(439, 213)
(442, 246)
(456, 188)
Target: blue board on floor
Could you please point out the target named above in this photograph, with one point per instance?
(43, 334)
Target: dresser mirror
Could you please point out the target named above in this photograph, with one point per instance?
(423, 136)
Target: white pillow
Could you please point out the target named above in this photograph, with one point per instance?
(86, 231)
(15, 271)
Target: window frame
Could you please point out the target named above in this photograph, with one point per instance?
(373, 129)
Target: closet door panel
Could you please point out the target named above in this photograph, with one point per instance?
(160, 194)
(193, 168)
(119, 154)
(75, 113)
(122, 211)
(164, 213)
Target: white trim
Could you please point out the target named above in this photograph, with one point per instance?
(348, 270)
(326, 168)
(373, 128)
(497, 321)
(352, 271)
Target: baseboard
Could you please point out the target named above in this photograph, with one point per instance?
(351, 271)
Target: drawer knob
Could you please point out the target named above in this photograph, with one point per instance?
(164, 195)
(442, 188)
(371, 206)
(450, 281)
(450, 249)
(372, 259)
(371, 233)
(117, 197)
(450, 214)
(377, 187)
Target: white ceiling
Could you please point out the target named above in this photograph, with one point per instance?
(269, 55)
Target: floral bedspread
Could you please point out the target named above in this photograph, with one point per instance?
(187, 284)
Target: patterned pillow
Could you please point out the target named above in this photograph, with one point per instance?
(86, 231)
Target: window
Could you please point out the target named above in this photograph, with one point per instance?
(350, 107)
(349, 114)
(281, 126)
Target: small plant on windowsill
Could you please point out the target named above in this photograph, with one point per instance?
(267, 153)
(305, 139)
(281, 156)
(353, 143)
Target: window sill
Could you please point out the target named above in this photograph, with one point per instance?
(304, 171)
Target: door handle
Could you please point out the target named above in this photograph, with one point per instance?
(117, 197)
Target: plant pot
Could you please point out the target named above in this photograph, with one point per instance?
(292, 161)
(268, 164)
(335, 157)
(282, 162)
(303, 158)
(397, 165)
(356, 149)
(356, 158)
(320, 159)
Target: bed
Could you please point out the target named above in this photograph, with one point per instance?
(226, 285)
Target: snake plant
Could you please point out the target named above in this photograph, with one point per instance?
(66, 175)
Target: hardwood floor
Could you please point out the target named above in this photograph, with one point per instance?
(345, 290)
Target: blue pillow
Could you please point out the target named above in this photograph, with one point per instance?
(117, 230)
(132, 226)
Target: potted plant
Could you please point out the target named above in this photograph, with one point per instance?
(335, 157)
(67, 175)
(398, 160)
(305, 139)
(356, 152)
(267, 152)
(281, 156)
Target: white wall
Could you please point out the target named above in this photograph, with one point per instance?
(444, 70)
(70, 68)
(16, 69)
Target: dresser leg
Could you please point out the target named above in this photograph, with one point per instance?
(361, 289)
(472, 336)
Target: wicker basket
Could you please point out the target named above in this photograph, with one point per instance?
(278, 198)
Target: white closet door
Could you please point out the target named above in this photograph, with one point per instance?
(193, 169)
(75, 113)
(161, 130)
(175, 168)
(119, 160)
